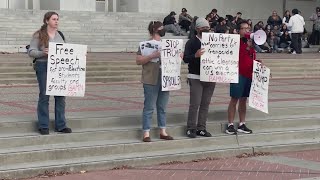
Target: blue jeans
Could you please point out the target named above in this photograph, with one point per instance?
(43, 102)
(257, 48)
(153, 96)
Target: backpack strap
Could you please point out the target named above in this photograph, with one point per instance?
(61, 34)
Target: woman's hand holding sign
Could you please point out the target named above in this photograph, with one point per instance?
(46, 51)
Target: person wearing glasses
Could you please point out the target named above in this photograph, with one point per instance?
(239, 92)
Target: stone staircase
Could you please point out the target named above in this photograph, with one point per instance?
(111, 32)
(110, 142)
(120, 67)
(102, 32)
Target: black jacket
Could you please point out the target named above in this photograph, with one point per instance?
(192, 46)
(221, 28)
(274, 22)
(169, 20)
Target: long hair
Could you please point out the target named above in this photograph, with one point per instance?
(153, 27)
(42, 33)
(285, 14)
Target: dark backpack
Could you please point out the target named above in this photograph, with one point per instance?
(34, 60)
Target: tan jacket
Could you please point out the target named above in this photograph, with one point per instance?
(150, 72)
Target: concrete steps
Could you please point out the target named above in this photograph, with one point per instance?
(136, 159)
(104, 143)
(12, 141)
(16, 68)
(101, 32)
(124, 150)
(119, 123)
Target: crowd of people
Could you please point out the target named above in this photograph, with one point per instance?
(200, 92)
(283, 35)
(285, 32)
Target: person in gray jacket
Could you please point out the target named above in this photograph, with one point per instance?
(39, 51)
(185, 19)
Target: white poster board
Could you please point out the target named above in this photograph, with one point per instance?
(171, 50)
(258, 98)
(66, 74)
(149, 47)
(220, 61)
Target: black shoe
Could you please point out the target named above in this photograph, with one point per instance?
(243, 129)
(44, 131)
(203, 133)
(230, 130)
(65, 130)
(191, 133)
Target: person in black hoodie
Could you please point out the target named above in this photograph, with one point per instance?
(170, 24)
(200, 92)
(213, 18)
(231, 22)
(285, 40)
(222, 26)
(193, 32)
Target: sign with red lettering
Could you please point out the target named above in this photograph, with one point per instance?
(220, 61)
(171, 50)
(66, 73)
(259, 91)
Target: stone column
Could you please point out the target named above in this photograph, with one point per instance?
(36, 4)
(77, 5)
(106, 5)
(26, 4)
(114, 6)
(284, 6)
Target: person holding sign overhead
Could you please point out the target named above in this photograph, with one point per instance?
(239, 92)
(39, 51)
(148, 56)
(200, 92)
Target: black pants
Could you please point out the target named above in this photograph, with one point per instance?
(316, 37)
(185, 25)
(296, 42)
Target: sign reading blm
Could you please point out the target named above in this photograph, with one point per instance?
(66, 74)
(258, 98)
(220, 61)
(171, 50)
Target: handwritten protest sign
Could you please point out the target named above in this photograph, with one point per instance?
(171, 64)
(258, 98)
(66, 74)
(149, 47)
(220, 61)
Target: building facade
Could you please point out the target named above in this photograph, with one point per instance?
(257, 9)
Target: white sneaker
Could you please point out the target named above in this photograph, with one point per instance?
(293, 52)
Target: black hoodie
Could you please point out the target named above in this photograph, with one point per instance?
(192, 46)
